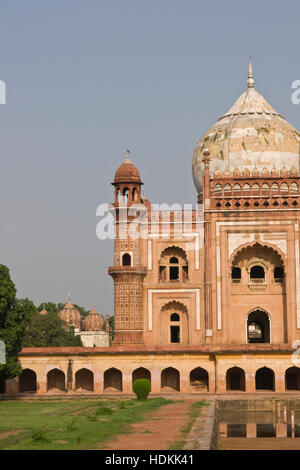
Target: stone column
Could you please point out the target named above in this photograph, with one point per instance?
(223, 429)
(251, 430)
(98, 382)
(279, 382)
(127, 383)
(184, 384)
(280, 430)
(155, 381)
(250, 382)
(41, 384)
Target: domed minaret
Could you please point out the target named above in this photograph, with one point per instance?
(127, 272)
(250, 135)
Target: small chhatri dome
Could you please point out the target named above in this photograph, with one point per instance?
(236, 172)
(284, 171)
(246, 173)
(94, 321)
(265, 172)
(70, 315)
(218, 173)
(226, 173)
(293, 172)
(127, 172)
(274, 172)
(44, 311)
(255, 172)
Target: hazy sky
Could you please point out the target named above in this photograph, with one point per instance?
(88, 79)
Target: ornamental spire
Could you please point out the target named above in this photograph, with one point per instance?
(127, 159)
(250, 81)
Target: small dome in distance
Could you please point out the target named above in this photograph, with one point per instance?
(70, 315)
(94, 321)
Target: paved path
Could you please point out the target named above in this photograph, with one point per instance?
(158, 431)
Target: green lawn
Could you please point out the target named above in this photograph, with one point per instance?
(76, 424)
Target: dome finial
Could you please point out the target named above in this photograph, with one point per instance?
(250, 81)
(127, 159)
(69, 295)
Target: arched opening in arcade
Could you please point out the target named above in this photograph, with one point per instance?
(141, 373)
(258, 327)
(292, 378)
(27, 381)
(265, 379)
(55, 381)
(235, 379)
(84, 380)
(113, 380)
(199, 381)
(170, 380)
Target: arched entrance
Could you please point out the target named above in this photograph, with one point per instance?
(84, 380)
(199, 380)
(27, 381)
(174, 323)
(141, 373)
(258, 327)
(292, 378)
(265, 379)
(113, 380)
(56, 380)
(170, 380)
(235, 379)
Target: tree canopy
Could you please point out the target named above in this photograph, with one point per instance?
(14, 318)
(49, 330)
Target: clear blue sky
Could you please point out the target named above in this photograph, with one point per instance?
(88, 79)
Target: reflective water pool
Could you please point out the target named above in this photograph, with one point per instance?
(249, 422)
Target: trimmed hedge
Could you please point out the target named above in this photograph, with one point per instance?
(142, 388)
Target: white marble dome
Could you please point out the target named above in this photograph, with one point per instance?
(251, 134)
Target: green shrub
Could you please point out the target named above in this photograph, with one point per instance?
(142, 388)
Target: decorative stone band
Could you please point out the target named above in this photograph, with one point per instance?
(128, 337)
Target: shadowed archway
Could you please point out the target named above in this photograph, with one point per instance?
(27, 381)
(170, 380)
(56, 380)
(235, 379)
(265, 379)
(113, 380)
(292, 378)
(84, 380)
(199, 381)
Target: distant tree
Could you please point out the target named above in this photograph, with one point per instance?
(14, 317)
(49, 330)
(49, 306)
(112, 326)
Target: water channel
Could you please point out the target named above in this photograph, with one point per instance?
(258, 424)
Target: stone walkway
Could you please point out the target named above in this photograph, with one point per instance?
(158, 431)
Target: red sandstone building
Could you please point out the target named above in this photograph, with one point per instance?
(211, 308)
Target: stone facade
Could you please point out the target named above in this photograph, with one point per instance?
(213, 307)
